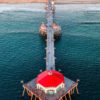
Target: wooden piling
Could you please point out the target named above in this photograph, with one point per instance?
(31, 97)
(69, 95)
(35, 97)
(65, 97)
(77, 90)
(71, 92)
(23, 92)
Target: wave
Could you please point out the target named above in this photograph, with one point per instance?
(79, 7)
(34, 7)
(84, 35)
(39, 7)
(90, 22)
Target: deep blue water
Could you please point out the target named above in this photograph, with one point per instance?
(22, 51)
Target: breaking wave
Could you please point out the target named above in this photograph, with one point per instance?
(34, 7)
(39, 7)
(78, 7)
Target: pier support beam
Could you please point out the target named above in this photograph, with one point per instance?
(77, 90)
(73, 90)
(23, 92)
(31, 97)
(65, 97)
(40, 98)
(69, 96)
(35, 97)
(60, 98)
(29, 94)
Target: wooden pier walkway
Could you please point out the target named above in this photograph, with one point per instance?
(50, 58)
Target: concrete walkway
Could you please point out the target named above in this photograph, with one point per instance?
(50, 58)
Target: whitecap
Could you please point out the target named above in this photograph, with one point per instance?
(77, 7)
(35, 7)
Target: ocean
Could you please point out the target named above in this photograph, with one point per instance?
(22, 50)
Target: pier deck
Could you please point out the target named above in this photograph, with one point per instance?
(50, 58)
(31, 89)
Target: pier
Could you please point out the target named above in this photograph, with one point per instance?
(50, 58)
(40, 87)
(45, 28)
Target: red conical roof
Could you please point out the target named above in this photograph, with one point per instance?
(50, 78)
(55, 25)
(43, 26)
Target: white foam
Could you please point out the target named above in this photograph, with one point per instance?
(39, 7)
(78, 7)
(22, 7)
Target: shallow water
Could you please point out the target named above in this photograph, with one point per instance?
(22, 50)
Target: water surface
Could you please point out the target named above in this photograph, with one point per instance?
(22, 50)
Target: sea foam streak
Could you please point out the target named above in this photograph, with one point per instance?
(23, 7)
(78, 7)
(39, 7)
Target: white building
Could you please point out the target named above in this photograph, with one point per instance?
(50, 81)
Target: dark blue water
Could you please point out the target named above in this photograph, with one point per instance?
(22, 51)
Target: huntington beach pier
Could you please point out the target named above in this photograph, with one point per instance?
(50, 84)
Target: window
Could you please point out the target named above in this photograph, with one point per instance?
(59, 89)
(50, 92)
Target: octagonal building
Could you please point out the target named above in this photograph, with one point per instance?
(50, 81)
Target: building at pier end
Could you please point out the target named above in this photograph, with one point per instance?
(50, 81)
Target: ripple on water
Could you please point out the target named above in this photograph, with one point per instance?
(22, 52)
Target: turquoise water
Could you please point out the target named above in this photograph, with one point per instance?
(22, 51)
